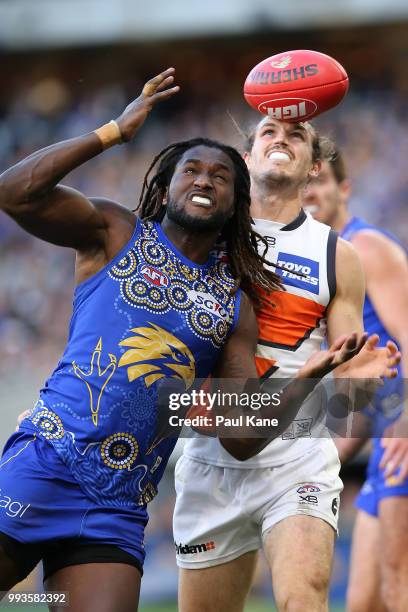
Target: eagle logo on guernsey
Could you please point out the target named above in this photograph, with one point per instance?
(155, 353)
(282, 63)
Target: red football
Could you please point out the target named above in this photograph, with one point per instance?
(296, 85)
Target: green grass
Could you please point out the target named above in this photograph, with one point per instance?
(253, 605)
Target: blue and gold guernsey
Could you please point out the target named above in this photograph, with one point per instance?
(148, 317)
(388, 405)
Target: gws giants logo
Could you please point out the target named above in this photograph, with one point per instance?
(193, 549)
(153, 275)
(208, 303)
(289, 108)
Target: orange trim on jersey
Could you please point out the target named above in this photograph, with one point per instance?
(287, 319)
(264, 365)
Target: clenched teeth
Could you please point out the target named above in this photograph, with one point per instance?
(201, 200)
(279, 155)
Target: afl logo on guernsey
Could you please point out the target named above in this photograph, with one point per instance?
(299, 272)
(208, 303)
(154, 276)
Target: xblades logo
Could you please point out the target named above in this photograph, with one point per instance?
(193, 549)
(308, 499)
(335, 506)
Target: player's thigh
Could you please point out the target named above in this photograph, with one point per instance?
(393, 515)
(299, 550)
(364, 588)
(98, 587)
(220, 587)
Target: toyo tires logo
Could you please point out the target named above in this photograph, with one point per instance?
(288, 108)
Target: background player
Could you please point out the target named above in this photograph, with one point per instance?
(380, 542)
(286, 498)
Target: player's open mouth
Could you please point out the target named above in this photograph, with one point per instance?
(203, 201)
(279, 156)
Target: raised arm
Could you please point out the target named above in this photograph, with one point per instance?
(31, 195)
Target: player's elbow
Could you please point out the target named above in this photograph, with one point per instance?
(12, 193)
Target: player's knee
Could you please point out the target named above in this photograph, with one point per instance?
(305, 597)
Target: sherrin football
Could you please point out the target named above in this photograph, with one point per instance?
(296, 85)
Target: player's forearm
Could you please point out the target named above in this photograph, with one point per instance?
(291, 399)
(41, 171)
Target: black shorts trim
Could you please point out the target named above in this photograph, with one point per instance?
(75, 553)
(60, 554)
(24, 556)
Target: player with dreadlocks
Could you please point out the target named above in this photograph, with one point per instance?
(240, 239)
(152, 305)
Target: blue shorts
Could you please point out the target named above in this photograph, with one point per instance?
(41, 504)
(376, 486)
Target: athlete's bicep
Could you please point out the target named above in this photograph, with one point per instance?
(64, 216)
(345, 313)
(386, 268)
(237, 359)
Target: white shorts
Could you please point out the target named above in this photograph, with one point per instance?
(222, 513)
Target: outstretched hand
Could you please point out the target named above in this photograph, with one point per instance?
(21, 417)
(372, 362)
(365, 360)
(341, 351)
(155, 90)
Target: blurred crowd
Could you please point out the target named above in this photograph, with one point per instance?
(36, 279)
(47, 99)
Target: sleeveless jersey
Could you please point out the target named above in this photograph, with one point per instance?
(150, 317)
(388, 405)
(292, 326)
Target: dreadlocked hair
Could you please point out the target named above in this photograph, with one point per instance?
(241, 242)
